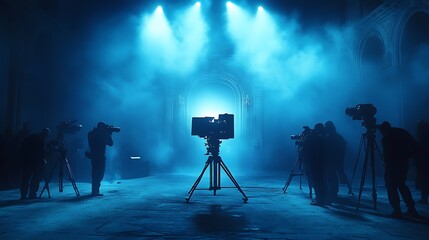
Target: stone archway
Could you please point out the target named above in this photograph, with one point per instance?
(218, 91)
(370, 61)
(412, 55)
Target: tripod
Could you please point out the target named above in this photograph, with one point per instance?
(215, 163)
(297, 170)
(369, 144)
(60, 161)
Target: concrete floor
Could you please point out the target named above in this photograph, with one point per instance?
(155, 208)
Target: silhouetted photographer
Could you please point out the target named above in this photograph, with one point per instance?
(98, 139)
(336, 151)
(398, 147)
(314, 155)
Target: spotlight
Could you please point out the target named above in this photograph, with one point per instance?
(229, 4)
(260, 9)
(198, 4)
(159, 9)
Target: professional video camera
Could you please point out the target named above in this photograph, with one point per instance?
(69, 126)
(299, 139)
(111, 129)
(209, 127)
(361, 111)
(364, 112)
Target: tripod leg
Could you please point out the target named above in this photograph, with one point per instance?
(378, 149)
(218, 175)
(362, 142)
(72, 179)
(292, 173)
(47, 181)
(362, 180)
(215, 176)
(222, 164)
(374, 190)
(61, 174)
(191, 191)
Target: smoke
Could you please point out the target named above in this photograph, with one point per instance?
(121, 67)
(176, 48)
(274, 50)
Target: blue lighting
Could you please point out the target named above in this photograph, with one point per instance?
(198, 4)
(229, 4)
(260, 8)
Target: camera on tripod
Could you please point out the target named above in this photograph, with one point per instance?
(299, 139)
(209, 127)
(64, 127)
(366, 112)
(363, 112)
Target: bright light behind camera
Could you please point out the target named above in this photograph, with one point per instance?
(211, 107)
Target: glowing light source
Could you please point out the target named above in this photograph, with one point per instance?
(211, 99)
(229, 4)
(198, 4)
(260, 8)
(158, 9)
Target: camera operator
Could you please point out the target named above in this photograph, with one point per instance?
(398, 147)
(98, 139)
(336, 150)
(314, 156)
(33, 155)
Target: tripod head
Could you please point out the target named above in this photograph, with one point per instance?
(370, 125)
(213, 145)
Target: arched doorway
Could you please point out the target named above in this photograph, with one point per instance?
(214, 94)
(415, 68)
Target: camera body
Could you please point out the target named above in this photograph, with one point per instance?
(69, 126)
(108, 128)
(364, 112)
(111, 129)
(361, 111)
(299, 139)
(209, 127)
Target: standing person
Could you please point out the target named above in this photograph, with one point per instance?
(336, 151)
(314, 157)
(422, 160)
(98, 139)
(33, 155)
(398, 147)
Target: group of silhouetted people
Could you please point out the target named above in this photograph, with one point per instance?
(323, 152)
(24, 157)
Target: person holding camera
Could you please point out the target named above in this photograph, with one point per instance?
(98, 139)
(398, 147)
(314, 155)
